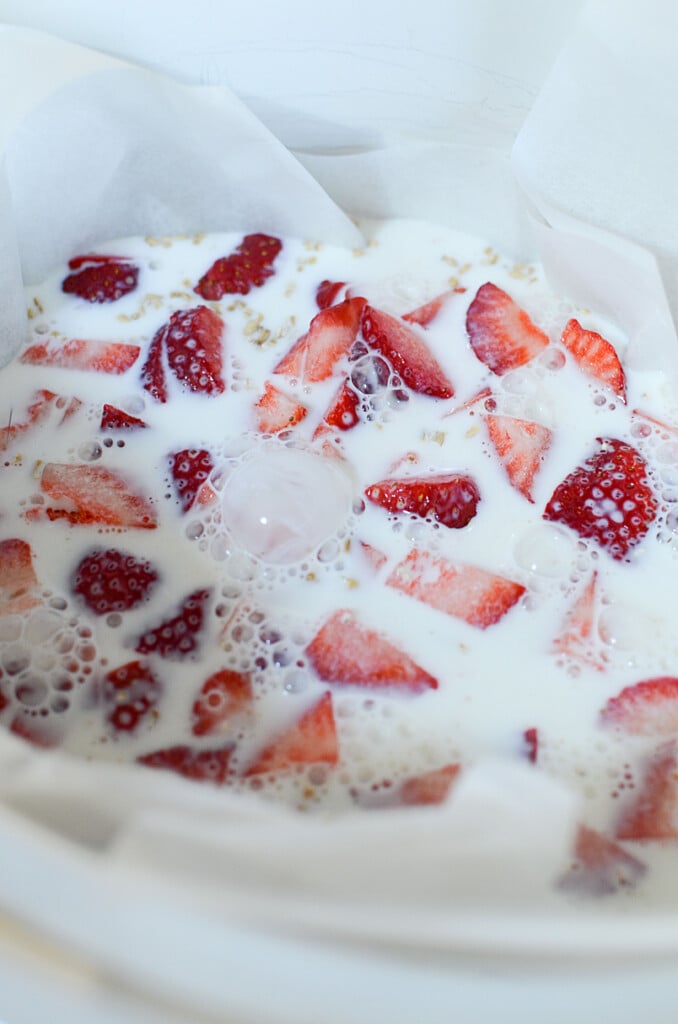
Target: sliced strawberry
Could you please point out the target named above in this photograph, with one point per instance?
(94, 495)
(649, 708)
(43, 405)
(578, 638)
(276, 411)
(193, 340)
(41, 731)
(430, 788)
(596, 356)
(467, 592)
(249, 266)
(109, 580)
(423, 315)
(343, 409)
(653, 810)
(223, 696)
(153, 378)
(131, 692)
(310, 740)
(18, 582)
(450, 499)
(521, 445)
(344, 652)
(375, 557)
(330, 336)
(407, 352)
(113, 418)
(177, 637)
(600, 865)
(190, 469)
(99, 278)
(531, 741)
(500, 332)
(113, 357)
(607, 499)
(198, 765)
(328, 292)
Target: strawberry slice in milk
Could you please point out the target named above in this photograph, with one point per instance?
(333, 525)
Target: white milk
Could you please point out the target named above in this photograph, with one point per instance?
(268, 602)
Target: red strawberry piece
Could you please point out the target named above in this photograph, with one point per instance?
(94, 495)
(193, 340)
(607, 499)
(466, 592)
(578, 638)
(276, 411)
(39, 730)
(249, 266)
(113, 418)
(653, 810)
(328, 292)
(177, 637)
(344, 652)
(600, 865)
(596, 356)
(113, 357)
(648, 708)
(190, 469)
(109, 580)
(450, 499)
(198, 765)
(531, 742)
(407, 352)
(329, 338)
(223, 696)
(343, 409)
(521, 445)
(100, 278)
(430, 788)
(423, 315)
(43, 405)
(130, 691)
(310, 740)
(18, 581)
(500, 332)
(664, 429)
(153, 378)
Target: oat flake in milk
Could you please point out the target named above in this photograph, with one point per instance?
(334, 525)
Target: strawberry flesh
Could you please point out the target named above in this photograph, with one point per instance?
(531, 744)
(223, 696)
(450, 499)
(502, 334)
(596, 356)
(521, 446)
(100, 278)
(130, 692)
(276, 411)
(424, 315)
(194, 351)
(343, 409)
(347, 653)
(109, 580)
(430, 788)
(177, 637)
(327, 293)
(648, 708)
(190, 469)
(578, 638)
(113, 418)
(310, 740)
(407, 352)
(600, 866)
(18, 581)
(112, 357)
(608, 499)
(198, 765)
(466, 592)
(329, 338)
(653, 810)
(249, 266)
(94, 495)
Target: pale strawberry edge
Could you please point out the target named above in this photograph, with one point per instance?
(468, 592)
(578, 637)
(652, 812)
(18, 581)
(600, 865)
(312, 739)
(428, 311)
(225, 694)
(275, 411)
(92, 495)
(407, 352)
(77, 354)
(649, 708)
(429, 788)
(500, 332)
(521, 446)
(344, 652)
(595, 356)
(330, 337)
